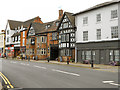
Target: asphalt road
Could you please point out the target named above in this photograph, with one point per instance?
(24, 74)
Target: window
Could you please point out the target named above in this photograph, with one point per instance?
(72, 45)
(43, 39)
(32, 51)
(98, 34)
(43, 51)
(7, 32)
(13, 39)
(93, 55)
(38, 39)
(23, 42)
(83, 55)
(19, 38)
(47, 26)
(63, 38)
(54, 36)
(38, 51)
(72, 40)
(111, 55)
(117, 56)
(27, 41)
(85, 20)
(98, 17)
(114, 55)
(114, 32)
(85, 35)
(72, 35)
(88, 55)
(16, 38)
(65, 52)
(114, 14)
(67, 37)
(65, 25)
(23, 33)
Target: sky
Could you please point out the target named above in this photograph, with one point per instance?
(47, 10)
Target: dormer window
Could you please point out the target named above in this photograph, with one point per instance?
(47, 26)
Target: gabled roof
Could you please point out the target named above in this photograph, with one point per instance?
(14, 24)
(70, 17)
(41, 28)
(16, 34)
(98, 6)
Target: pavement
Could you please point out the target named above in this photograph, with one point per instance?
(0, 86)
(108, 68)
(41, 74)
(100, 67)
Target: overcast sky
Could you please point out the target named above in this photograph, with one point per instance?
(47, 10)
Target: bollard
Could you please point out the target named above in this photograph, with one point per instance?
(48, 60)
(92, 64)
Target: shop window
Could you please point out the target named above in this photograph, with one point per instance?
(88, 55)
(83, 55)
(114, 55)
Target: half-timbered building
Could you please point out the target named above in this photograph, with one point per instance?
(66, 31)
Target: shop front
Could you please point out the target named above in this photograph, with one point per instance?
(9, 52)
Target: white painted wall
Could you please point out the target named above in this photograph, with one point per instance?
(1, 40)
(105, 25)
(11, 32)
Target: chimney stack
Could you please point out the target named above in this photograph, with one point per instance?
(60, 13)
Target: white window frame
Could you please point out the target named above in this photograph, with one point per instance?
(114, 14)
(114, 32)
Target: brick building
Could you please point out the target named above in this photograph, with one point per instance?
(42, 40)
(16, 36)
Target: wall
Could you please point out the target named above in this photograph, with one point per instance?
(104, 25)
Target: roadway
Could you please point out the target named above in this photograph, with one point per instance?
(24, 74)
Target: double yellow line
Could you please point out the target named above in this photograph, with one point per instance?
(6, 81)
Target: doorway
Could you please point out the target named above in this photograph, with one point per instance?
(53, 52)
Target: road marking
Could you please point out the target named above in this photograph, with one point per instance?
(111, 82)
(40, 67)
(3, 78)
(66, 72)
(8, 87)
(6, 80)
